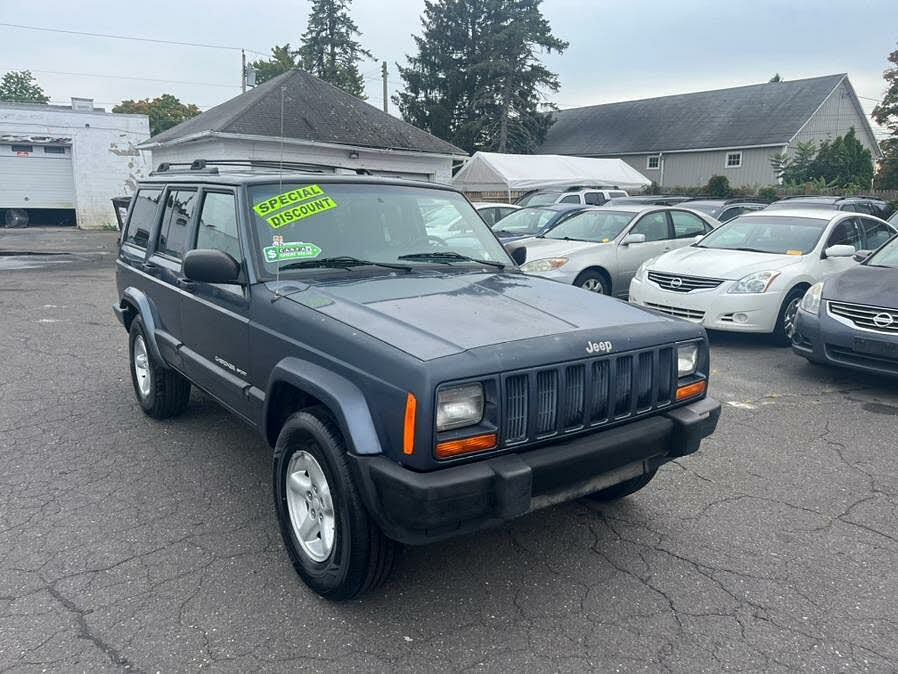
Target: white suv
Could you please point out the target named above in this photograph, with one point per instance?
(573, 195)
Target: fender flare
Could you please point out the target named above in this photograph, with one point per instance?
(343, 398)
(147, 314)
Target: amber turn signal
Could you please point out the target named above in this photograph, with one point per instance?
(408, 429)
(691, 390)
(479, 443)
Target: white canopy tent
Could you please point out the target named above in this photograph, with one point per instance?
(495, 172)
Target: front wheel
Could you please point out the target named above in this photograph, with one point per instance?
(334, 545)
(594, 282)
(785, 322)
(161, 392)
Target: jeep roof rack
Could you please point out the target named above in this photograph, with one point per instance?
(210, 166)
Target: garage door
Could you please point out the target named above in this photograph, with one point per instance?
(36, 176)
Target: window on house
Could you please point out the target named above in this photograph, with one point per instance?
(23, 148)
(653, 162)
(734, 159)
(54, 149)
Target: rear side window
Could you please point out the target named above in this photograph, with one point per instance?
(218, 224)
(686, 225)
(143, 217)
(595, 198)
(179, 207)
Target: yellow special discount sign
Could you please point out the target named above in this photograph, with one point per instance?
(297, 204)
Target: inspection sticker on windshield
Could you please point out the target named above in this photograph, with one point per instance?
(301, 212)
(298, 250)
(290, 198)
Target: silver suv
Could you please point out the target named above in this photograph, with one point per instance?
(573, 195)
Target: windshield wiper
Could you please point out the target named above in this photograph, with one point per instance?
(341, 262)
(448, 257)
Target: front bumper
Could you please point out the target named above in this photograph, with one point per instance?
(417, 508)
(822, 339)
(714, 309)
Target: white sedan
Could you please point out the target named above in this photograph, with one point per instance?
(750, 274)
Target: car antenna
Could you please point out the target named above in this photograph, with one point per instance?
(277, 274)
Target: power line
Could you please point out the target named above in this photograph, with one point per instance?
(128, 77)
(128, 37)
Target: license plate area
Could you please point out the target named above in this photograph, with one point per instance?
(875, 347)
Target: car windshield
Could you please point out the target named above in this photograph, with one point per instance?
(525, 222)
(598, 226)
(887, 256)
(312, 225)
(539, 199)
(782, 235)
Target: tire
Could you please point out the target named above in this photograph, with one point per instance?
(593, 281)
(618, 491)
(785, 322)
(161, 392)
(16, 218)
(342, 558)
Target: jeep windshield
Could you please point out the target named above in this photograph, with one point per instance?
(780, 234)
(345, 226)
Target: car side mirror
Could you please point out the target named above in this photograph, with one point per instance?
(696, 239)
(519, 255)
(633, 238)
(210, 266)
(840, 250)
(862, 255)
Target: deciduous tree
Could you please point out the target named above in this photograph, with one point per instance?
(886, 114)
(164, 111)
(21, 87)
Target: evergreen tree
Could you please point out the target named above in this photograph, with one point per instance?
(21, 87)
(282, 59)
(477, 80)
(886, 114)
(329, 49)
(844, 162)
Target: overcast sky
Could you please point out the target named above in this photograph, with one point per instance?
(618, 51)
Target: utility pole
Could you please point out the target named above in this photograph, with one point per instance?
(243, 71)
(386, 95)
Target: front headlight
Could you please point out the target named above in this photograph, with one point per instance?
(811, 300)
(758, 282)
(546, 264)
(687, 359)
(644, 268)
(459, 406)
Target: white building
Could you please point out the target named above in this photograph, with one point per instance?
(298, 118)
(64, 164)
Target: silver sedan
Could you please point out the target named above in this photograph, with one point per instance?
(600, 249)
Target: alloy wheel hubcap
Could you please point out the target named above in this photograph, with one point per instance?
(141, 366)
(593, 285)
(789, 318)
(311, 506)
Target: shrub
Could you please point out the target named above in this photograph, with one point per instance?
(768, 194)
(719, 186)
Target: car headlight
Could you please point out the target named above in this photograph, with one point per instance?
(644, 268)
(546, 264)
(758, 282)
(811, 300)
(687, 359)
(459, 406)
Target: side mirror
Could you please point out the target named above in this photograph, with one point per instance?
(841, 250)
(519, 255)
(698, 238)
(862, 255)
(210, 266)
(633, 238)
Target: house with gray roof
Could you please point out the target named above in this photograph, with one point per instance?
(296, 117)
(683, 140)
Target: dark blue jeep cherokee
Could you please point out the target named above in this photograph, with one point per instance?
(413, 383)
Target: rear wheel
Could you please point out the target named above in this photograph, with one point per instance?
(624, 488)
(594, 282)
(334, 545)
(785, 322)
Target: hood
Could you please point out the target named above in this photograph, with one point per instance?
(721, 264)
(538, 249)
(875, 286)
(431, 316)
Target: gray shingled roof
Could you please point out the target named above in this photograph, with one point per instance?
(759, 114)
(313, 110)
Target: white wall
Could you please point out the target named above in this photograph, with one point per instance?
(380, 162)
(105, 162)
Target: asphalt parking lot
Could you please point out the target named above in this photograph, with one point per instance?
(127, 543)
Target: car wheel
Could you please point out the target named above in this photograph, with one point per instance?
(161, 392)
(594, 282)
(617, 491)
(16, 218)
(334, 545)
(785, 322)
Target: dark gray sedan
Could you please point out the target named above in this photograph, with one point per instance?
(851, 319)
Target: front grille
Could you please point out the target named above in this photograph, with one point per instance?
(565, 398)
(868, 318)
(683, 284)
(679, 312)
